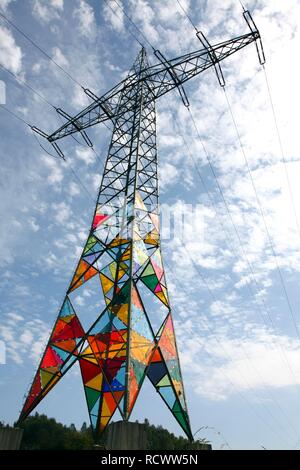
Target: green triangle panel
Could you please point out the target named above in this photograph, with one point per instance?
(139, 370)
(91, 397)
(164, 382)
(119, 348)
(150, 281)
(170, 391)
(148, 271)
(182, 419)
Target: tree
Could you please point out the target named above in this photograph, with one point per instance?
(41, 432)
(83, 427)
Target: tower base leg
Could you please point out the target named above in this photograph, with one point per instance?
(10, 438)
(124, 435)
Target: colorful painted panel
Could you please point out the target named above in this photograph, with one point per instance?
(122, 255)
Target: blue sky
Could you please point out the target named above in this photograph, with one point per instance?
(241, 369)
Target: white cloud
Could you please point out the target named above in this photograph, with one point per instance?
(86, 155)
(226, 274)
(33, 224)
(22, 290)
(79, 300)
(84, 13)
(96, 180)
(5, 3)
(74, 189)
(82, 236)
(14, 317)
(7, 333)
(51, 260)
(168, 174)
(239, 365)
(55, 175)
(47, 12)
(79, 100)
(71, 238)
(26, 337)
(59, 57)
(10, 53)
(59, 4)
(62, 213)
(168, 12)
(142, 13)
(115, 16)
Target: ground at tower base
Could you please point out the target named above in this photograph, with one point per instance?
(43, 433)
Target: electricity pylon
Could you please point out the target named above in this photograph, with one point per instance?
(123, 248)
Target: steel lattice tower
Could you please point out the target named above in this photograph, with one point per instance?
(123, 249)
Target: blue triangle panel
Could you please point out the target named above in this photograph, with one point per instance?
(168, 394)
(66, 309)
(156, 371)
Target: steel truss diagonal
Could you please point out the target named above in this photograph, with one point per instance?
(122, 253)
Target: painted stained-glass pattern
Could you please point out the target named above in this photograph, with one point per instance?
(120, 349)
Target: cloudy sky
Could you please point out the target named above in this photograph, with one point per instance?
(233, 271)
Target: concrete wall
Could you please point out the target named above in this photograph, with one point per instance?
(10, 438)
(198, 446)
(123, 435)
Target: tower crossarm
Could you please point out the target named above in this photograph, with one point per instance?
(162, 81)
(192, 64)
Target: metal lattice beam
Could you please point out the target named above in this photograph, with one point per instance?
(120, 349)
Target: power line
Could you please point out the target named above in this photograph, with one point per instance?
(235, 228)
(202, 277)
(223, 197)
(242, 5)
(271, 244)
(212, 171)
(270, 319)
(231, 245)
(23, 82)
(251, 292)
(83, 144)
(34, 43)
(115, 13)
(219, 344)
(187, 15)
(215, 299)
(284, 161)
(20, 31)
(238, 236)
(217, 432)
(63, 70)
(42, 97)
(245, 257)
(15, 115)
(220, 190)
(72, 170)
(43, 148)
(132, 22)
(82, 184)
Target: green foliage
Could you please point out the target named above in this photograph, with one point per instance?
(160, 439)
(41, 432)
